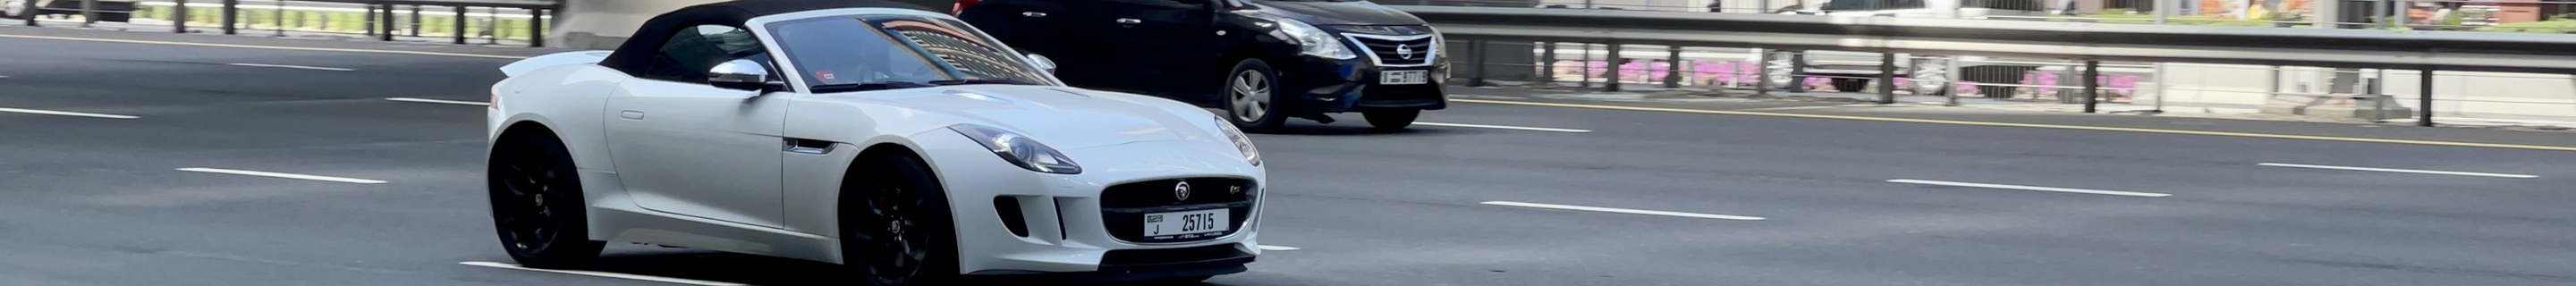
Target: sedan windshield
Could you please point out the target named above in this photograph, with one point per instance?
(876, 52)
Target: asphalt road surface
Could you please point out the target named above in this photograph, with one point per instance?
(121, 164)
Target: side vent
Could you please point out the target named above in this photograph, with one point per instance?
(1009, 208)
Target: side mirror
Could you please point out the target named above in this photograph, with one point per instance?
(1043, 63)
(743, 75)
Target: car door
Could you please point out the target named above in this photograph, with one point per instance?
(684, 146)
(1166, 41)
(1073, 33)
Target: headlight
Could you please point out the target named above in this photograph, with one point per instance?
(1241, 142)
(1313, 41)
(1019, 150)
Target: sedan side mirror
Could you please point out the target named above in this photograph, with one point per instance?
(1043, 63)
(743, 75)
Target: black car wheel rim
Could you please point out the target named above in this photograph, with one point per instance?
(896, 253)
(525, 218)
(1250, 91)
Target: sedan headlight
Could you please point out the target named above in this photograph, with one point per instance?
(1313, 41)
(1019, 150)
(1241, 142)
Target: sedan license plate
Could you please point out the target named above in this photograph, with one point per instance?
(1404, 77)
(1188, 222)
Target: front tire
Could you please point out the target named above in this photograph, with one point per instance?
(1250, 102)
(537, 203)
(1391, 118)
(895, 224)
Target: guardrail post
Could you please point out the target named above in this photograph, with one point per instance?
(280, 16)
(415, 21)
(370, 21)
(1547, 62)
(1950, 89)
(459, 24)
(1610, 81)
(537, 28)
(232, 17)
(179, 16)
(2092, 84)
(89, 12)
(1886, 78)
(1761, 72)
(32, 10)
(2424, 113)
(1673, 67)
(1476, 58)
(388, 22)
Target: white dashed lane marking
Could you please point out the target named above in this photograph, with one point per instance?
(604, 274)
(425, 100)
(1504, 127)
(67, 113)
(1277, 248)
(283, 175)
(2516, 176)
(2026, 188)
(1621, 210)
(291, 67)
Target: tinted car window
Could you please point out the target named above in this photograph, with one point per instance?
(689, 53)
(897, 52)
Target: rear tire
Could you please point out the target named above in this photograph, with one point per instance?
(895, 224)
(1250, 90)
(537, 203)
(1391, 118)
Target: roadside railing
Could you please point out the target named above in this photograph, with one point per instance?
(456, 21)
(2098, 67)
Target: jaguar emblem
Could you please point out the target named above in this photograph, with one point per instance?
(1181, 191)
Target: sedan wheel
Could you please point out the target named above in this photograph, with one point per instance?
(1249, 91)
(536, 204)
(897, 223)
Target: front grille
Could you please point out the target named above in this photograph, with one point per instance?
(1398, 50)
(1124, 206)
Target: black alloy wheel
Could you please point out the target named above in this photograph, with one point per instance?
(898, 230)
(536, 203)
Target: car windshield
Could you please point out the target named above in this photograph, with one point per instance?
(876, 52)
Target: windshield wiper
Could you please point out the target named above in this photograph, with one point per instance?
(848, 87)
(981, 81)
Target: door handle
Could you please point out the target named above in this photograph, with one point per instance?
(1129, 21)
(1033, 14)
(631, 114)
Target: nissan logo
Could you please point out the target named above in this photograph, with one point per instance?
(1403, 50)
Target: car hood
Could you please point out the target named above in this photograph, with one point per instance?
(1339, 13)
(1068, 118)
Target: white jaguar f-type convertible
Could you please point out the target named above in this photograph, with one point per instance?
(888, 137)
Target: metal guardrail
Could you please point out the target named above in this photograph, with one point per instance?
(378, 14)
(2427, 51)
(2461, 51)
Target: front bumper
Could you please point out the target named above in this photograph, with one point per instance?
(1329, 85)
(1013, 222)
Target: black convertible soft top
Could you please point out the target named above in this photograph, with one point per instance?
(638, 51)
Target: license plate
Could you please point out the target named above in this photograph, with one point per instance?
(1184, 223)
(1404, 77)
